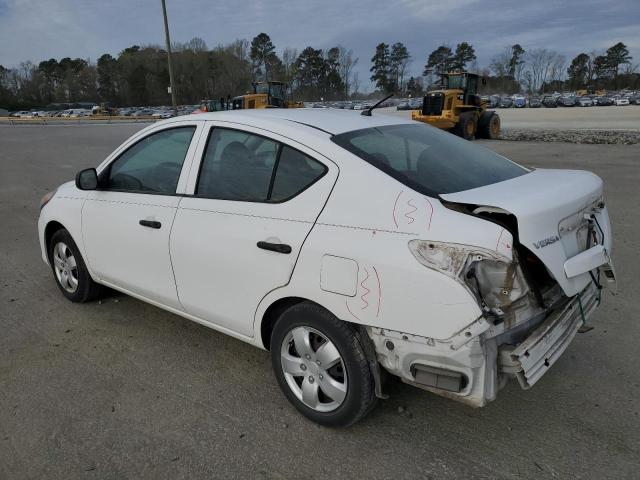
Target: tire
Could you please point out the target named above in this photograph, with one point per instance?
(69, 270)
(489, 125)
(337, 396)
(467, 125)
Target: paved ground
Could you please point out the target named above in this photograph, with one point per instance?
(571, 118)
(125, 390)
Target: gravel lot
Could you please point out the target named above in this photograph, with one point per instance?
(121, 389)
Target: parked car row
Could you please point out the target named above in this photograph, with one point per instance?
(494, 101)
(354, 104)
(154, 112)
(562, 100)
(71, 112)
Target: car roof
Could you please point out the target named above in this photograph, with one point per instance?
(329, 121)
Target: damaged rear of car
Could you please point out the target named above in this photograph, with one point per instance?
(536, 301)
(534, 253)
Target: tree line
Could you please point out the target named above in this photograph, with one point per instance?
(138, 75)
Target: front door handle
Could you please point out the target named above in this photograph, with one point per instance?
(275, 247)
(150, 224)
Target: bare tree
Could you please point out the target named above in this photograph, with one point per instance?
(355, 83)
(500, 63)
(541, 66)
(240, 49)
(289, 56)
(346, 64)
(196, 44)
(557, 68)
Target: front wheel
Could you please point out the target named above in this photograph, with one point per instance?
(321, 366)
(69, 270)
(467, 125)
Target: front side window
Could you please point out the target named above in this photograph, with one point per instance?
(428, 160)
(245, 167)
(153, 164)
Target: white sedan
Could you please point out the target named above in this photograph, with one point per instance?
(348, 245)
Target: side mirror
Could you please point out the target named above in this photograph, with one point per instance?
(87, 179)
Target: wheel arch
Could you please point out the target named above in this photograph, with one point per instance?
(273, 312)
(277, 307)
(271, 315)
(52, 227)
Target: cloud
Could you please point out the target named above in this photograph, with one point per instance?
(40, 29)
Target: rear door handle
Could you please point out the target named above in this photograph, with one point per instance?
(275, 247)
(150, 224)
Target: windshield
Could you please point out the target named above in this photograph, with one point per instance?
(428, 160)
(454, 81)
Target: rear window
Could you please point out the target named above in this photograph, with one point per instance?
(428, 160)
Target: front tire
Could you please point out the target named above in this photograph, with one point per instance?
(467, 125)
(69, 270)
(321, 366)
(489, 125)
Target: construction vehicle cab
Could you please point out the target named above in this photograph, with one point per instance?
(271, 94)
(104, 109)
(457, 107)
(208, 105)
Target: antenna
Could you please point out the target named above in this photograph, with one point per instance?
(367, 112)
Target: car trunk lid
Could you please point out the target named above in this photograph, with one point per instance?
(555, 210)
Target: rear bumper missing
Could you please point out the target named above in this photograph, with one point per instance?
(531, 359)
(474, 372)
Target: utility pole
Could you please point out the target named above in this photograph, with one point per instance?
(168, 42)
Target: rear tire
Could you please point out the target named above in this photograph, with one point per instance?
(69, 270)
(339, 390)
(489, 125)
(467, 125)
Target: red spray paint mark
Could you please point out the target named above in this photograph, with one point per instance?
(430, 214)
(379, 291)
(365, 304)
(395, 205)
(408, 214)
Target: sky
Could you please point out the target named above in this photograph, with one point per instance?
(37, 30)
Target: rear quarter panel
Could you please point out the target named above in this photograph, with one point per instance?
(370, 219)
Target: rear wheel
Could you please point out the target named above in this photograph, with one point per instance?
(69, 269)
(489, 125)
(467, 125)
(321, 366)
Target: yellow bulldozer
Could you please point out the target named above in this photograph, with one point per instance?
(458, 108)
(271, 94)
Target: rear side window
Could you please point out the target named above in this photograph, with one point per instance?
(245, 167)
(428, 160)
(237, 166)
(296, 172)
(153, 164)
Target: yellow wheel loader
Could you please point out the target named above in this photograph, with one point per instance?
(271, 94)
(457, 107)
(104, 109)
